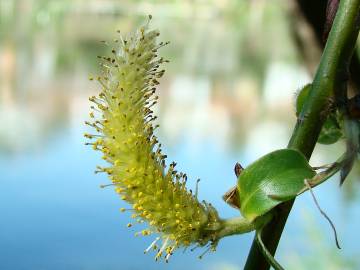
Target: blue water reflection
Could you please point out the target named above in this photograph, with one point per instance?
(55, 216)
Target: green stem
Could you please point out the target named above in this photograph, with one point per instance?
(328, 81)
(237, 225)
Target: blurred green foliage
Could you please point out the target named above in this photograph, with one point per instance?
(227, 36)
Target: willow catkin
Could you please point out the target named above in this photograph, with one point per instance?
(124, 122)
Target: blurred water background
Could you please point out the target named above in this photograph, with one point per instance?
(227, 96)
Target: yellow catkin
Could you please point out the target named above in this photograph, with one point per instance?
(124, 121)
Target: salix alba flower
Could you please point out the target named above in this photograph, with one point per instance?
(124, 126)
(124, 122)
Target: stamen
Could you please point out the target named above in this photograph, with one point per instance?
(168, 255)
(158, 255)
(197, 188)
(107, 185)
(152, 245)
(196, 247)
(206, 251)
